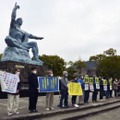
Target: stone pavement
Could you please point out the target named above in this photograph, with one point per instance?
(110, 115)
(40, 106)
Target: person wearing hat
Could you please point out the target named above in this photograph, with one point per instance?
(64, 90)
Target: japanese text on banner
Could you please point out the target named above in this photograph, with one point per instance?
(74, 88)
(48, 84)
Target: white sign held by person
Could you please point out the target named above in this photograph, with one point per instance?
(9, 82)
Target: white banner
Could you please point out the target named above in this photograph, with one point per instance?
(86, 87)
(9, 82)
(110, 87)
(105, 87)
(97, 86)
(91, 87)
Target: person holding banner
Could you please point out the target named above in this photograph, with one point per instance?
(105, 87)
(13, 98)
(115, 87)
(64, 90)
(49, 95)
(108, 89)
(96, 88)
(74, 80)
(111, 87)
(87, 89)
(101, 89)
(81, 97)
(33, 90)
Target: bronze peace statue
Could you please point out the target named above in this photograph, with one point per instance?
(17, 42)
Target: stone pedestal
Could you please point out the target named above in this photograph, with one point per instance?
(9, 66)
(18, 55)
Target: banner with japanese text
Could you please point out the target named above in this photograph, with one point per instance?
(48, 84)
(74, 88)
(8, 82)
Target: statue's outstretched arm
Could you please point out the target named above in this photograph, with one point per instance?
(35, 37)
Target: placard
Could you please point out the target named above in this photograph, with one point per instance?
(86, 87)
(48, 84)
(110, 87)
(74, 88)
(9, 82)
(97, 86)
(91, 87)
(105, 87)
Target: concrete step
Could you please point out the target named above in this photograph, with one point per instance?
(92, 111)
(70, 113)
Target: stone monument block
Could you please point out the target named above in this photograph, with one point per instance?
(15, 54)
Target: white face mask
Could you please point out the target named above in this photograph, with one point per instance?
(66, 75)
(18, 73)
(35, 72)
(51, 75)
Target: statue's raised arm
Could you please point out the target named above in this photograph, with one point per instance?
(13, 16)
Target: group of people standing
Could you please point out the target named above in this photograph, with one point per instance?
(99, 87)
(92, 84)
(13, 98)
(103, 86)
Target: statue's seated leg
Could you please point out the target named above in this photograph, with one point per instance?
(34, 47)
(11, 42)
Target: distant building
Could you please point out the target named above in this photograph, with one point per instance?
(90, 68)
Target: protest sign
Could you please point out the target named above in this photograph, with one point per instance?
(74, 88)
(104, 84)
(91, 83)
(48, 84)
(91, 87)
(9, 82)
(97, 83)
(86, 87)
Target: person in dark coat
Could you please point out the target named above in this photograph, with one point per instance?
(33, 90)
(64, 90)
(95, 92)
(101, 89)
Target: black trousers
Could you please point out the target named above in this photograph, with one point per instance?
(110, 93)
(94, 96)
(101, 93)
(86, 96)
(33, 101)
(73, 100)
(64, 97)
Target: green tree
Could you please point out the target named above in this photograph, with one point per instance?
(110, 52)
(75, 67)
(71, 71)
(97, 57)
(108, 63)
(53, 62)
(79, 65)
(109, 67)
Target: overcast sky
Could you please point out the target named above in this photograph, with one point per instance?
(72, 29)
